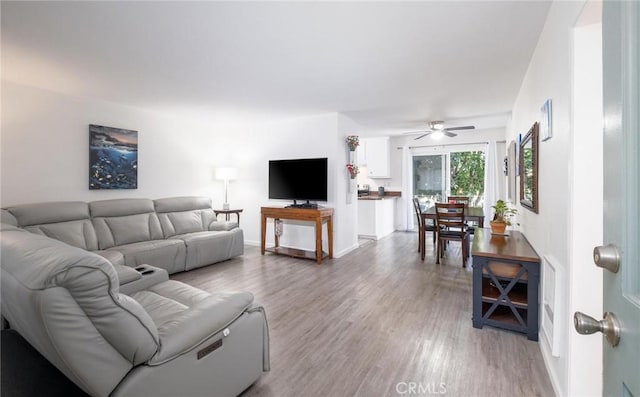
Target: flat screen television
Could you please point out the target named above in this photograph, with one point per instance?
(300, 179)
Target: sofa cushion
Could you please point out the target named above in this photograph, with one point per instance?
(182, 222)
(64, 221)
(185, 316)
(120, 207)
(53, 212)
(180, 204)
(180, 215)
(115, 257)
(6, 217)
(165, 254)
(124, 221)
(205, 248)
(79, 234)
(219, 226)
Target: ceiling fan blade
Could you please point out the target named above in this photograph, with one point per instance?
(423, 135)
(449, 134)
(415, 132)
(466, 127)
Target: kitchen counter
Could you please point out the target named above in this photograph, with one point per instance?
(373, 195)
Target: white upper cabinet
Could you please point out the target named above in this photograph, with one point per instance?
(361, 153)
(376, 157)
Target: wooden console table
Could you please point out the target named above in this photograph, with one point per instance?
(316, 215)
(506, 273)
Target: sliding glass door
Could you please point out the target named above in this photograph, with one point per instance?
(449, 173)
(429, 178)
(466, 176)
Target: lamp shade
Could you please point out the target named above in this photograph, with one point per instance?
(226, 173)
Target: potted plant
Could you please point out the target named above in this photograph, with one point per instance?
(353, 170)
(503, 213)
(353, 142)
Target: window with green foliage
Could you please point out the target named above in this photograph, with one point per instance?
(436, 176)
(467, 173)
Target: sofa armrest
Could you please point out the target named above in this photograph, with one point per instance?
(187, 329)
(126, 274)
(222, 226)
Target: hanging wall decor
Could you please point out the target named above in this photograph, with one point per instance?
(113, 158)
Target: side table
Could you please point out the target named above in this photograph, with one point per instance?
(227, 214)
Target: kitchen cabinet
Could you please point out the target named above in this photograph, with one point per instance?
(376, 218)
(377, 155)
(361, 153)
(374, 154)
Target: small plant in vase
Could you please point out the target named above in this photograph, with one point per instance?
(353, 142)
(353, 170)
(503, 212)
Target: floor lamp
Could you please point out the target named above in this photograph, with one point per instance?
(226, 174)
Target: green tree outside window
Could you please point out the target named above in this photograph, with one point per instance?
(467, 174)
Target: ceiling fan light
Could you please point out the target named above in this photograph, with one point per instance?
(437, 135)
(437, 125)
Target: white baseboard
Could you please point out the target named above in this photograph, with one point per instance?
(346, 251)
(546, 358)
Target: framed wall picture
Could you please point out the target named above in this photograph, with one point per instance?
(113, 158)
(546, 132)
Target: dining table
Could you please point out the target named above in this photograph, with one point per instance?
(474, 214)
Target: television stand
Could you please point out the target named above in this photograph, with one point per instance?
(303, 205)
(316, 215)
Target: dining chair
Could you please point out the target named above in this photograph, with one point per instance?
(451, 227)
(466, 201)
(423, 228)
(459, 200)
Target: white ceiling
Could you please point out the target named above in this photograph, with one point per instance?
(390, 66)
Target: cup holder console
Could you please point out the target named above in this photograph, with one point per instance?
(144, 270)
(149, 276)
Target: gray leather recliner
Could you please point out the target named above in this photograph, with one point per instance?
(168, 339)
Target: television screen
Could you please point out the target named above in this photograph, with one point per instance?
(303, 179)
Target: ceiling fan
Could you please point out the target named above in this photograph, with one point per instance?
(437, 130)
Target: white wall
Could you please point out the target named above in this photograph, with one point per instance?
(44, 148)
(45, 144)
(551, 231)
(586, 207)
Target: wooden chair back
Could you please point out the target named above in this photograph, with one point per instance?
(450, 216)
(459, 200)
(418, 211)
(450, 220)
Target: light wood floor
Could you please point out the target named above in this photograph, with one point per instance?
(363, 324)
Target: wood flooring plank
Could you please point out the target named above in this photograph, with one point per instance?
(371, 322)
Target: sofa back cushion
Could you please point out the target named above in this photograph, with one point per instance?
(180, 215)
(124, 221)
(66, 221)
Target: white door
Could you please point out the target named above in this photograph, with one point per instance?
(621, 323)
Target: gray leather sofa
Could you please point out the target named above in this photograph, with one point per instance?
(164, 338)
(175, 234)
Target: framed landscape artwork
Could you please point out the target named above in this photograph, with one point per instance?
(113, 158)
